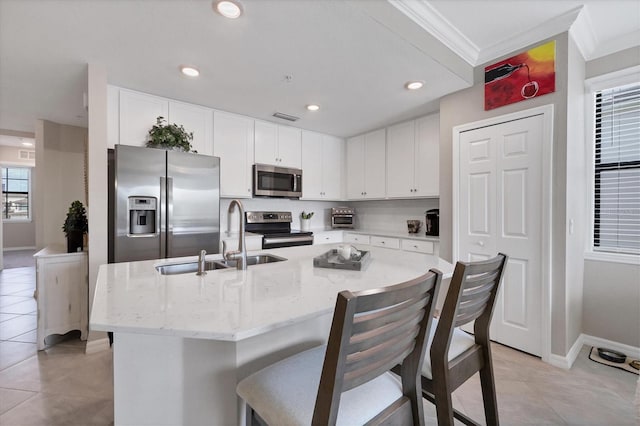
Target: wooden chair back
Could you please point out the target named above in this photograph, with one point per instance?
(373, 331)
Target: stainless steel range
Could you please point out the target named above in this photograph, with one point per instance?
(276, 229)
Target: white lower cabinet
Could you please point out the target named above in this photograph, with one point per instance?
(387, 242)
(62, 291)
(418, 246)
(327, 237)
(356, 238)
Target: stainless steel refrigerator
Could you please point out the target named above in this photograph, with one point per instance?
(163, 204)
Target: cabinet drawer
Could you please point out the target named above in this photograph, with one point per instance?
(327, 237)
(356, 238)
(419, 246)
(387, 242)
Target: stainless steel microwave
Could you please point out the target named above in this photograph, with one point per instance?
(272, 181)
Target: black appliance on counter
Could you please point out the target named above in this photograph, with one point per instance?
(276, 229)
(432, 222)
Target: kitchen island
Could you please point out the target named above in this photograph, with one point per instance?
(182, 342)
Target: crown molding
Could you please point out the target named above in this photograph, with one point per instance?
(582, 34)
(427, 17)
(550, 28)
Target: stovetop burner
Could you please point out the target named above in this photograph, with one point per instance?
(276, 229)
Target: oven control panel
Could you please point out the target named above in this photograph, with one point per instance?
(268, 217)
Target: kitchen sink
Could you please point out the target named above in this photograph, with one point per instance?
(211, 265)
(191, 267)
(257, 259)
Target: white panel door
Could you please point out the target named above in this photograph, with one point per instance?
(289, 147)
(427, 156)
(400, 157)
(500, 198)
(266, 143)
(138, 113)
(311, 165)
(332, 167)
(355, 167)
(375, 176)
(233, 143)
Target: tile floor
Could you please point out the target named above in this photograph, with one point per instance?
(63, 386)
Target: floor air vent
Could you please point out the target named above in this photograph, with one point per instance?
(285, 116)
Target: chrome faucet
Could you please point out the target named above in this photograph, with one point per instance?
(201, 263)
(240, 255)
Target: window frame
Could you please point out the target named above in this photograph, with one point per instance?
(593, 85)
(29, 218)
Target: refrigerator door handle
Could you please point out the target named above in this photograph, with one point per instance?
(163, 217)
(170, 215)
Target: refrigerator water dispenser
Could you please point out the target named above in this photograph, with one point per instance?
(142, 215)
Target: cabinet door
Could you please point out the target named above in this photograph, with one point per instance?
(289, 147)
(113, 116)
(400, 160)
(312, 152)
(355, 167)
(233, 143)
(138, 113)
(332, 167)
(375, 181)
(196, 119)
(266, 143)
(427, 157)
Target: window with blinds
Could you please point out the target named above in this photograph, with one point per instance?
(617, 170)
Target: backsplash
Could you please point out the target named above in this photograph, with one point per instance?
(391, 215)
(388, 215)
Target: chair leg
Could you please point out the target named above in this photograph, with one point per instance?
(489, 399)
(442, 395)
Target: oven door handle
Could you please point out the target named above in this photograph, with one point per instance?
(279, 240)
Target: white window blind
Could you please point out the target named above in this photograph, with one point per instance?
(617, 170)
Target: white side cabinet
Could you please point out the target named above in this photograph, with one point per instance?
(62, 291)
(138, 112)
(233, 143)
(327, 237)
(413, 157)
(197, 120)
(278, 145)
(366, 166)
(322, 166)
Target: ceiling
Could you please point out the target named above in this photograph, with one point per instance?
(351, 57)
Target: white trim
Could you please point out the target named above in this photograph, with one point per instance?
(547, 162)
(567, 361)
(582, 33)
(548, 29)
(432, 21)
(18, 248)
(597, 256)
(612, 79)
(95, 346)
(598, 342)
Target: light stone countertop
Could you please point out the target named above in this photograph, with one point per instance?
(232, 305)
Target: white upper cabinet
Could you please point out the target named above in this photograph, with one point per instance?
(366, 168)
(233, 143)
(322, 166)
(412, 158)
(278, 145)
(132, 114)
(196, 119)
(138, 113)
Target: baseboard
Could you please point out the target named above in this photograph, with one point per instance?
(94, 346)
(567, 361)
(18, 248)
(628, 350)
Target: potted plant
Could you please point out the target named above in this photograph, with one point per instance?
(305, 220)
(75, 226)
(170, 136)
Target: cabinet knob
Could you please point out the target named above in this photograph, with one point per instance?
(481, 243)
(383, 242)
(415, 246)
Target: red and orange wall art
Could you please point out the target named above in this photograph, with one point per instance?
(527, 75)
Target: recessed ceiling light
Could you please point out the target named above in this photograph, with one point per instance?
(414, 85)
(313, 107)
(27, 143)
(228, 9)
(189, 71)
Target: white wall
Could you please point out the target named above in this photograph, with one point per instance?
(391, 215)
(60, 178)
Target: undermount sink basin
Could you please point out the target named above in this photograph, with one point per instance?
(257, 259)
(211, 265)
(191, 267)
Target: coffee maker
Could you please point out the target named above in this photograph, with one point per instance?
(432, 222)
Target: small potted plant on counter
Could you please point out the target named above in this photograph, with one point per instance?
(305, 221)
(170, 136)
(75, 226)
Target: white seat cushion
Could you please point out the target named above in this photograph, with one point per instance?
(285, 393)
(460, 342)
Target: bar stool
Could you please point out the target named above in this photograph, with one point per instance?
(348, 380)
(454, 356)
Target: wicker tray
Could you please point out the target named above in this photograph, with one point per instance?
(331, 259)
